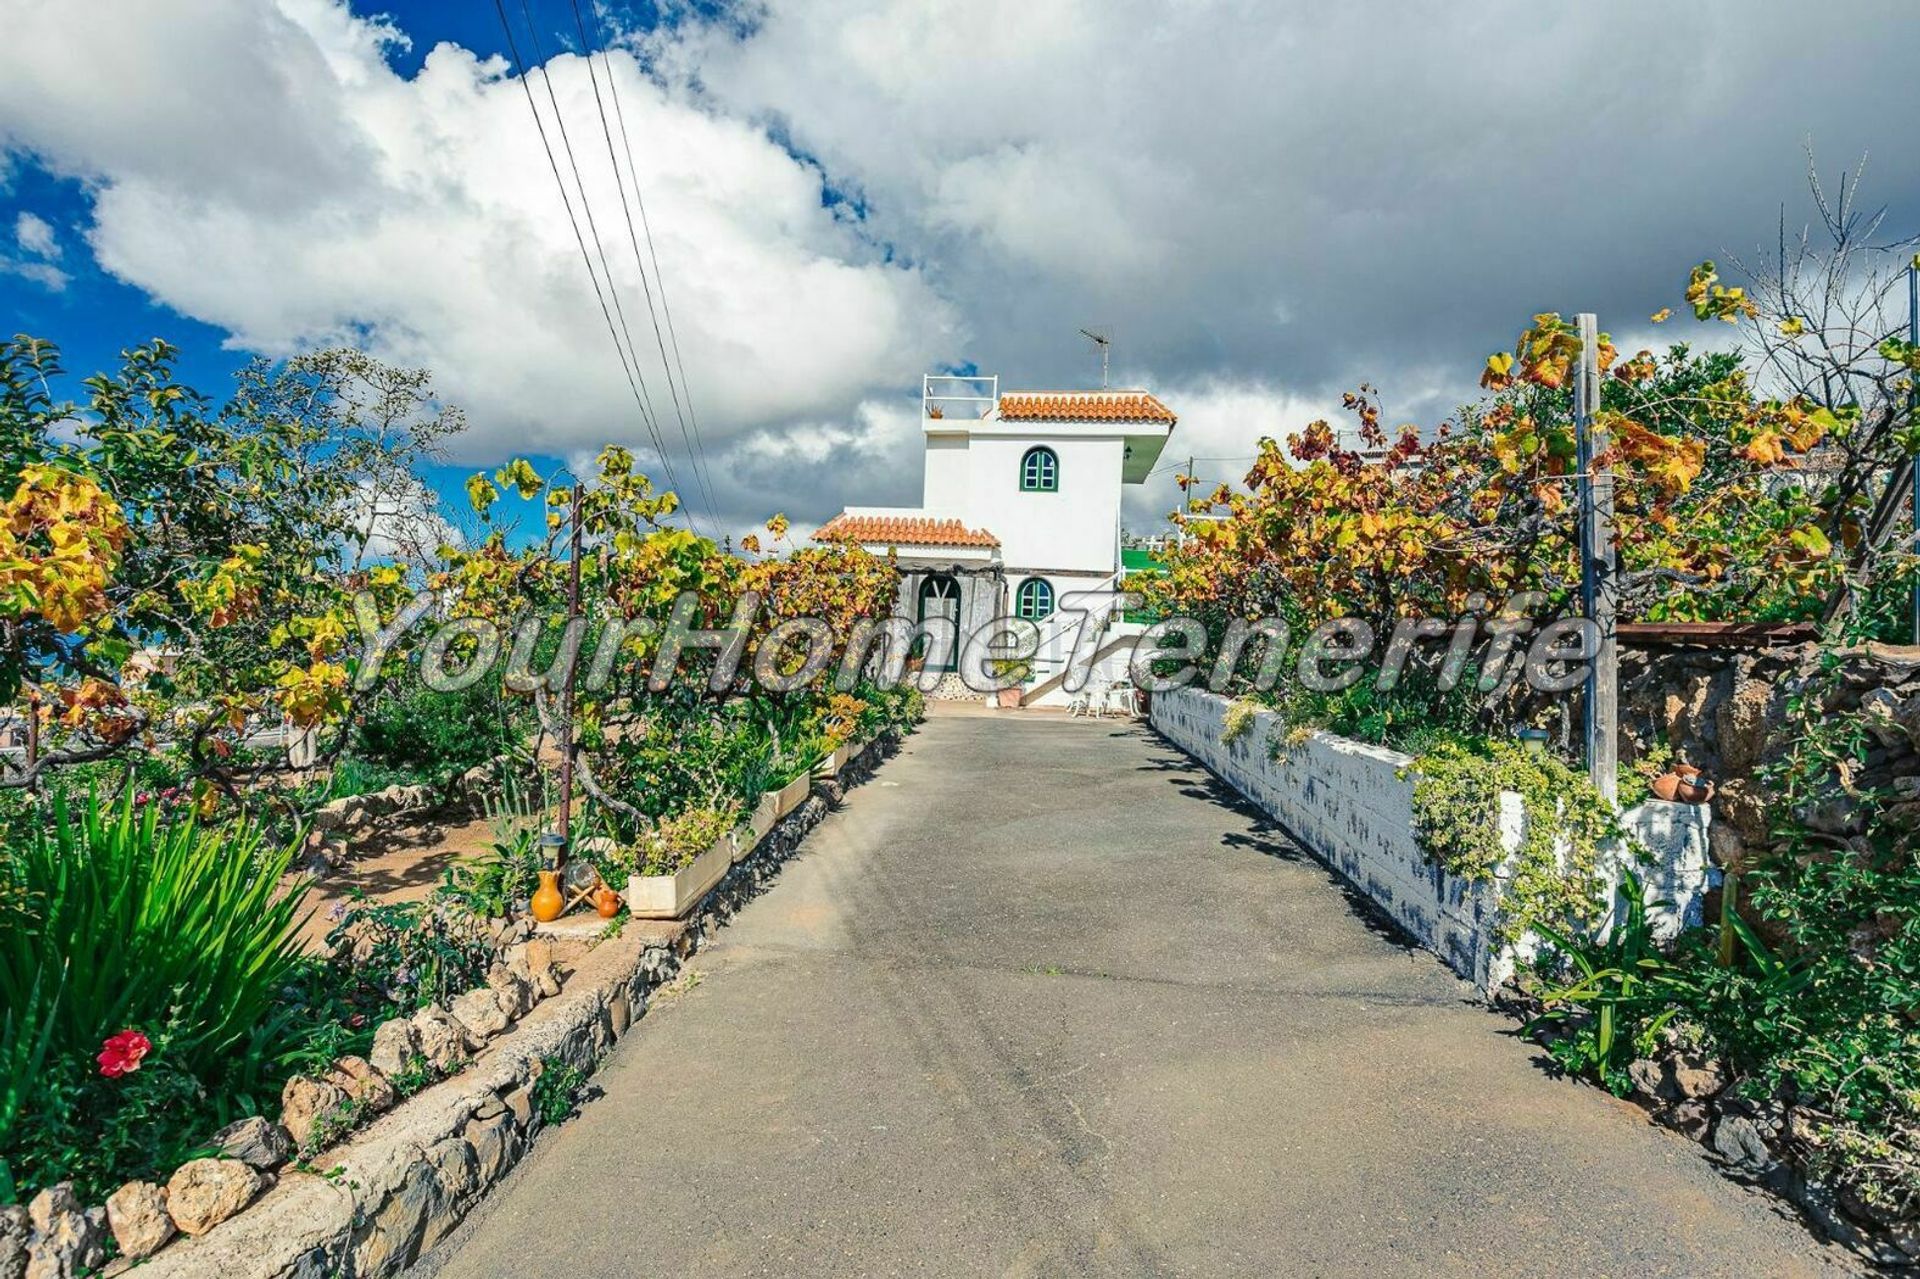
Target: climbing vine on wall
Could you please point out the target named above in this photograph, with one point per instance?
(1555, 875)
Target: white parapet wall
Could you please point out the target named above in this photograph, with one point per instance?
(1351, 806)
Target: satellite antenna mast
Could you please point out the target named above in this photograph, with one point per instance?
(1102, 339)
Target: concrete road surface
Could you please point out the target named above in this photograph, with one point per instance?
(1042, 999)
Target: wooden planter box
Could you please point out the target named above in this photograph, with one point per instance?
(832, 764)
(748, 836)
(672, 896)
(792, 795)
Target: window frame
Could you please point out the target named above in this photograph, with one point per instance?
(1044, 465)
(1042, 590)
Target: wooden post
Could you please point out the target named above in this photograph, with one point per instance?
(566, 695)
(1913, 412)
(1598, 587)
(33, 732)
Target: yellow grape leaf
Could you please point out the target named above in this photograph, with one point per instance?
(1765, 449)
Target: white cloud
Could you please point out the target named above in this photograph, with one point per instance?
(402, 523)
(48, 277)
(1221, 424)
(34, 235)
(40, 249)
(308, 194)
(1265, 204)
(1312, 195)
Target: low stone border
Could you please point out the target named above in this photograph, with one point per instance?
(1763, 1143)
(367, 1207)
(392, 808)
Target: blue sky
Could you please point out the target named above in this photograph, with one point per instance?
(846, 194)
(95, 316)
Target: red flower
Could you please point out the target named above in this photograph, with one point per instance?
(121, 1054)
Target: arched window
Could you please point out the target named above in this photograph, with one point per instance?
(939, 617)
(1034, 599)
(1040, 472)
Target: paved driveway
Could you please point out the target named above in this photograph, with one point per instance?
(1042, 1001)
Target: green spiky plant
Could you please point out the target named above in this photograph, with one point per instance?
(125, 920)
(1616, 1001)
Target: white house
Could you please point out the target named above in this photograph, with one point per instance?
(1020, 513)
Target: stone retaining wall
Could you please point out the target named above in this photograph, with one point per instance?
(370, 1206)
(1726, 711)
(1351, 806)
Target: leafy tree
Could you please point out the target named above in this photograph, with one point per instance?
(175, 572)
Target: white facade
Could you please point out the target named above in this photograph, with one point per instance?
(974, 476)
(1021, 501)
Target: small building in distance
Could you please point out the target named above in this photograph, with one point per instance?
(1020, 509)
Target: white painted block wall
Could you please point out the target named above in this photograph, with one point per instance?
(1348, 804)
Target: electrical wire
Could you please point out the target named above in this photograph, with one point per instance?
(695, 451)
(635, 380)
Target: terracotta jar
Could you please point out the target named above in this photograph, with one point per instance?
(606, 902)
(547, 900)
(1683, 784)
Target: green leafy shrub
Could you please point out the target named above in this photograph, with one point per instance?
(1808, 988)
(556, 1093)
(1554, 876)
(1411, 715)
(419, 733)
(394, 957)
(488, 886)
(1619, 996)
(132, 922)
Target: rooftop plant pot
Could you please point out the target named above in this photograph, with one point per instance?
(792, 795)
(672, 896)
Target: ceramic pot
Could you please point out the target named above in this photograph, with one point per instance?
(1683, 784)
(547, 900)
(606, 902)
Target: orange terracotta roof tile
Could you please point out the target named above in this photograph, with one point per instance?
(1084, 406)
(902, 530)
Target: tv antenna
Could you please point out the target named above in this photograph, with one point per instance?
(1102, 339)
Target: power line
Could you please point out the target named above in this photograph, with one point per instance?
(628, 367)
(1189, 461)
(600, 247)
(646, 227)
(690, 437)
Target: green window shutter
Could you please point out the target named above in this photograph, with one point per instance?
(1040, 471)
(1034, 600)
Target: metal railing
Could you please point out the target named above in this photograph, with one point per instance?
(954, 396)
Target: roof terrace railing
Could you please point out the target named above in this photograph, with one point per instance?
(952, 395)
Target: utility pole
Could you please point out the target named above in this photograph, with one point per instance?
(566, 695)
(1598, 587)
